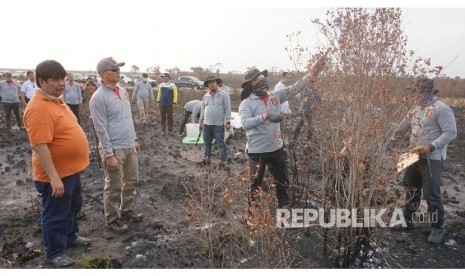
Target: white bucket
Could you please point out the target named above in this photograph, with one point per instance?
(192, 130)
(236, 120)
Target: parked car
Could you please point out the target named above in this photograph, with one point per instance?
(79, 78)
(92, 76)
(152, 82)
(19, 74)
(190, 82)
(136, 78)
(125, 79)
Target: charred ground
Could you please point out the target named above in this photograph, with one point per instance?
(166, 238)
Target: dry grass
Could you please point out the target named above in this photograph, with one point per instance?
(457, 102)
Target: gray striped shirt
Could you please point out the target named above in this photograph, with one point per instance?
(112, 119)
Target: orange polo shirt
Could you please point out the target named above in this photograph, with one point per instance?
(50, 121)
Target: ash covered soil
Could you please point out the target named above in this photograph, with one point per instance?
(166, 239)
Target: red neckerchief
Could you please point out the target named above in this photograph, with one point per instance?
(116, 90)
(265, 99)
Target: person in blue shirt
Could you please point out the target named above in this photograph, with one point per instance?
(167, 96)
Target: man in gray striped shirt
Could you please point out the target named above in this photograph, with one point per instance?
(10, 99)
(73, 95)
(111, 113)
(143, 95)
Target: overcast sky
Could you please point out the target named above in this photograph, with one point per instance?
(183, 34)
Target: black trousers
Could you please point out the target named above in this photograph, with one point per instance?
(75, 109)
(276, 163)
(7, 108)
(187, 114)
(166, 114)
(425, 175)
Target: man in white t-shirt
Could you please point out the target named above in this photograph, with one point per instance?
(29, 88)
(285, 76)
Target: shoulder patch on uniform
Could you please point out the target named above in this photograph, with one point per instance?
(429, 113)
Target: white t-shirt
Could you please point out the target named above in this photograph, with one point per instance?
(29, 88)
(284, 106)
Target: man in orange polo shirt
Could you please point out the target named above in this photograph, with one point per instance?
(60, 151)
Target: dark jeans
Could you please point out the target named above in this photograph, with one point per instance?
(276, 163)
(424, 174)
(75, 109)
(166, 112)
(59, 215)
(217, 132)
(187, 114)
(7, 108)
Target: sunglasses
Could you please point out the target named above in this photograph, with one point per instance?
(114, 70)
(7, 75)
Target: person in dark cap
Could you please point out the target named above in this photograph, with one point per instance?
(215, 117)
(110, 108)
(433, 127)
(260, 113)
(94, 80)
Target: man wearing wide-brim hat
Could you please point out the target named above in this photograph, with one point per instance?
(215, 117)
(260, 117)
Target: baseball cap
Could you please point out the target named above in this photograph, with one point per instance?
(166, 74)
(108, 64)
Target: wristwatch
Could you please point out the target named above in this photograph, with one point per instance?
(432, 148)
